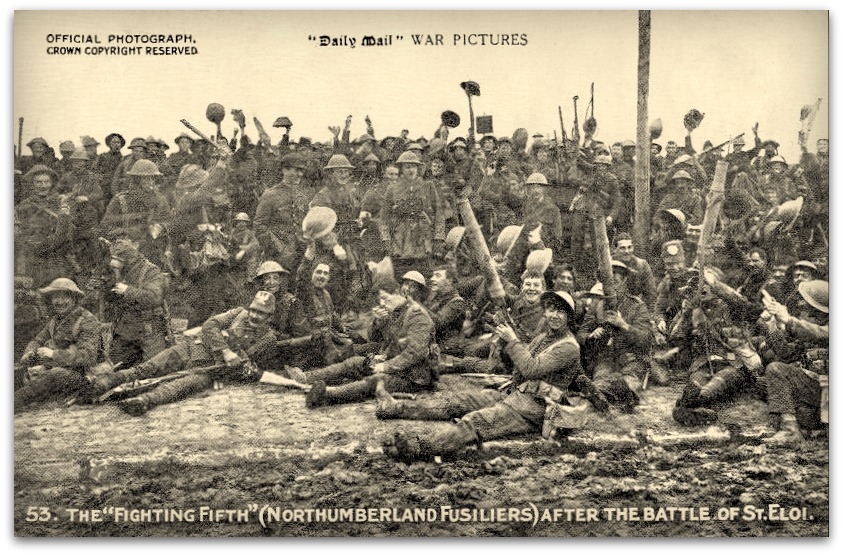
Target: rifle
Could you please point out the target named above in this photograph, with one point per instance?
(295, 341)
(20, 138)
(214, 143)
(562, 125)
(721, 145)
(575, 132)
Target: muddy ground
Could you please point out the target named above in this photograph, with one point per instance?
(261, 464)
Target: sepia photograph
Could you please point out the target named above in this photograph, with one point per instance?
(419, 273)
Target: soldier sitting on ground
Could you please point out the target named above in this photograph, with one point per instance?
(55, 362)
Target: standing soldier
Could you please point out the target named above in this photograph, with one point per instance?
(340, 195)
(90, 145)
(43, 231)
(280, 212)
(107, 163)
(412, 222)
(55, 362)
(137, 304)
(139, 151)
(42, 155)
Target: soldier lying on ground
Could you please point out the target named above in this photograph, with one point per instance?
(543, 372)
(227, 342)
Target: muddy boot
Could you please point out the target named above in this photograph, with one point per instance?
(449, 442)
(723, 386)
(296, 374)
(135, 406)
(353, 392)
(619, 393)
(316, 396)
(352, 368)
(699, 416)
(690, 396)
(788, 433)
(590, 392)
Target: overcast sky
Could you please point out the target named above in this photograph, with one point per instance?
(736, 67)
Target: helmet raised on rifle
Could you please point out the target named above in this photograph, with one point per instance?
(318, 222)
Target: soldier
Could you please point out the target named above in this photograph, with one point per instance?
(42, 155)
(446, 307)
(622, 338)
(55, 362)
(137, 303)
(66, 149)
(542, 373)
(713, 332)
(139, 151)
(224, 349)
(670, 292)
(141, 209)
(642, 282)
(84, 198)
(107, 163)
(340, 195)
(411, 218)
(682, 197)
(90, 145)
(172, 167)
(414, 287)
(280, 212)
(405, 361)
(797, 393)
(43, 231)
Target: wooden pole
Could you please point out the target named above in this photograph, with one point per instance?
(642, 143)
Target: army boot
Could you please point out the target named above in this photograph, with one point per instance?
(135, 406)
(449, 442)
(387, 407)
(788, 433)
(590, 392)
(723, 386)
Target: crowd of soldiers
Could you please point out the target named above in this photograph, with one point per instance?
(364, 269)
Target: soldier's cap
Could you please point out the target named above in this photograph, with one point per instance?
(282, 121)
(409, 157)
(672, 144)
(538, 261)
(618, 265)
(79, 154)
(486, 138)
(305, 141)
(708, 144)
(673, 250)
(738, 141)
(622, 236)
(318, 222)
(674, 214)
(190, 175)
(62, 285)
(386, 140)
(507, 237)
(364, 138)
(144, 168)
(628, 144)
(153, 141)
(682, 174)
(416, 277)
(422, 140)
(596, 291)
(658, 147)
(771, 143)
(39, 169)
(122, 249)
(454, 237)
(683, 159)
(505, 139)
(242, 217)
(815, 293)
(138, 142)
(271, 267)
(536, 178)
(804, 264)
(459, 142)
(67, 146)
(118, 135)
(415, 146)
(437, 144)
(183, 136)
(372, 158)
(294, 160)
(163, 144)
(87, 140)
(338, 161)
(604, 159)
(777, 160)
(383, 275)
(40, 140)
(264, 301)
(560, 299)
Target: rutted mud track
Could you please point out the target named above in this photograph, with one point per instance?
(252, 446)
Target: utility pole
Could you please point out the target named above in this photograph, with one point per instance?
(642, 142)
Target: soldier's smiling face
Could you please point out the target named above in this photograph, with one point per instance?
(42, 183)
(321, 275)
(342, 175)
(410, 171)
(532, 288)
